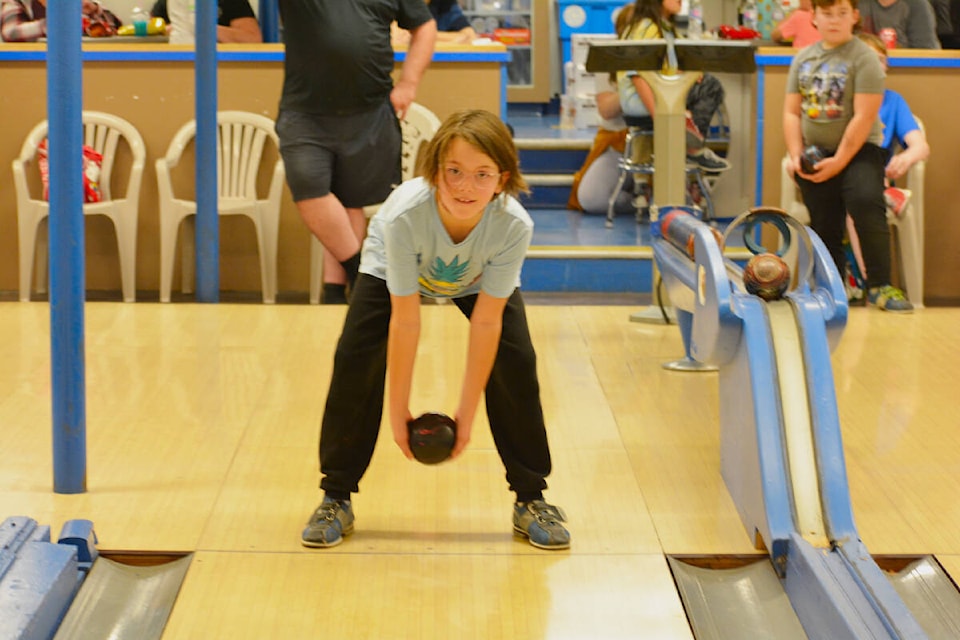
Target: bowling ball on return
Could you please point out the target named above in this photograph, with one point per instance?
(432, 436)
(767, 276)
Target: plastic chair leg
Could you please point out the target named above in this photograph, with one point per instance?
(611, 204)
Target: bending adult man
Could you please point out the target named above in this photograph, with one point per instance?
(338, 123)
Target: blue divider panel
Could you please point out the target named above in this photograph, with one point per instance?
(39, 579)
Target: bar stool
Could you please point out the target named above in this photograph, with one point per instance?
(637, 160)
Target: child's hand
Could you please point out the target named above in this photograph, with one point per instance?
(401, 434)
(824, 170)
(897, 167)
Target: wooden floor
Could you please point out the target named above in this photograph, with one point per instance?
(202, 426)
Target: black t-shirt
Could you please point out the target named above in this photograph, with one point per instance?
(230, 10)
(338, 56)
(447, 21)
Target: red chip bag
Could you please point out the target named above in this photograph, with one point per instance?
(92, 162)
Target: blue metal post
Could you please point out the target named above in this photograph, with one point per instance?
(208, 227)
(67, 275)
(269, 17)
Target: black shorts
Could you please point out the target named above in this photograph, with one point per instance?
(355, 157)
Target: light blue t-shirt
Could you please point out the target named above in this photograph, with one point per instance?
(408, 246)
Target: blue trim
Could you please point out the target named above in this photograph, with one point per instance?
(778, 60)
(917, 62)
(133, 54)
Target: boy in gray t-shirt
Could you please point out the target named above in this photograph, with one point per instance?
(834, 91)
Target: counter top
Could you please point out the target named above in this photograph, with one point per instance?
(159, 52)
(926, 58)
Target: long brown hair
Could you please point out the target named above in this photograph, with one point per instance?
(482, 130)
(651, 9)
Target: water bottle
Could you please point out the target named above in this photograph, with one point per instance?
(748, 14)
(139, 19)
(695, 20)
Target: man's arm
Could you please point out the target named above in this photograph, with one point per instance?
(419, 53)
(240, 30)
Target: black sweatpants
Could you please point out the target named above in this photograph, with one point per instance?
(857, 190)
(351, 419)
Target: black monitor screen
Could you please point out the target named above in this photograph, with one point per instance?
(646, 55)
(728, 56)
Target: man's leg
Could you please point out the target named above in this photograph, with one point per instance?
(333, 272)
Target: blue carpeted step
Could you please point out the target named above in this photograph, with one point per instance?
(548, 165)
(547, 191)
(588, 269)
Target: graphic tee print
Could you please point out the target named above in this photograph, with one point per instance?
(822, 89)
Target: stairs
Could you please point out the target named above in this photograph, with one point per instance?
(549, 165)
(572, 253)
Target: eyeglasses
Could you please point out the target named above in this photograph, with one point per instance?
(481, 179)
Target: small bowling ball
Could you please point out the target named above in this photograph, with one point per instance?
(767, 276)
(432, 436)
(810, 157)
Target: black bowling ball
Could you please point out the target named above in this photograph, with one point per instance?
(432, 436)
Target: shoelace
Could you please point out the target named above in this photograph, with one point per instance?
(891, 293)
(546, 513)
(327, 511)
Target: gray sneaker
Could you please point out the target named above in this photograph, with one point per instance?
(889, 298)
(540, 522)
(332, 520)
(708, 160)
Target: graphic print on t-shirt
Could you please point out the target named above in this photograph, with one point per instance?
(445, 279)
(822, 89)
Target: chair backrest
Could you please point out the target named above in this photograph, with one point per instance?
(102, 132)
(241, 139)
(916, 176)
(416, 129)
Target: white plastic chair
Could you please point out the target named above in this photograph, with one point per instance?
(417, 128)
(907, 227)
(102, 132)
(241, 139)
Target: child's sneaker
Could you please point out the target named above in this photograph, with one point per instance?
(332, 520)
(540, 522)
(889, 298)
(707, 160)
